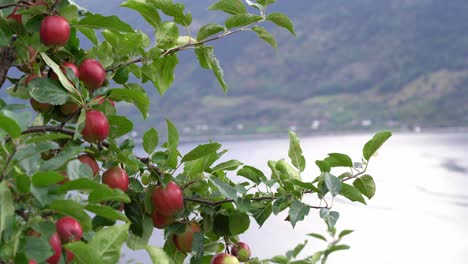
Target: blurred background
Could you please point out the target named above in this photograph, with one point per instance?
(355, 67)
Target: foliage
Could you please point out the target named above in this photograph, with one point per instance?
(43, 176)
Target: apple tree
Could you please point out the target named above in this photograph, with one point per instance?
(72, 187)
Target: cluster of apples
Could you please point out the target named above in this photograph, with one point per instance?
(55, 31)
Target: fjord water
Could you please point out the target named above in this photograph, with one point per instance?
(418, 215)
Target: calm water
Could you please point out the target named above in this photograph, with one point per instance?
(419, 213)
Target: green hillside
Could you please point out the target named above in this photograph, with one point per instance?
(399, 63)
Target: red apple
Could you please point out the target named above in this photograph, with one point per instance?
(103, 99)
(69, 108)
(14, 16)
(40, 107)
(91, 162)
(69, 229)
(168, 201)
(241, 250)
(161, 221)
(70, 256)
(42, 2)
(96, 127)
(32, 261)
(92, 74)
(56, 245)
(223, 258)
(54, 31)
(183, 242)
(64, 67)
(116, 178)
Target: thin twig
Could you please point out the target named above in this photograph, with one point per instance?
(9, 160)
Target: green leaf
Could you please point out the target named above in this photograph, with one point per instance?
(76, 170)
(251, 173)
(108, 242)
(279, 259)
(241, 20)
(172, 143)
(62, 79)
(323, 165)
(353, 194)
(104, 22)
(375, 143)
(201, 151)
(238, 223)
(265, 3)
(45, 90)
(84, 253)
(7, 208)
(261, 214)
(338, 247)
(150, 140)
(306, 185)
(119, 126)
(221, 225)
(318, 236)
(175, 10)
(167, 35)
(227, 166)
(158, 256)
(339, 160)
(135, 214)
(37, 249)
(10, 126)
(73, 209)
(106, 212)
(147, 10)
(46, 178)
(345, 233)
(90, 34)
(229, 6)
(208, 60)
(208, 30)
(161, 72)
(135, 242)
(365, 185)
(297, 212)
(197, 248)
(295, 152)
(108, 194)
(293, 253)
(225, 189)
(287, 171)
(265, 36)
(281, 20)
(66, 154)
(137, 97)
(333, 184)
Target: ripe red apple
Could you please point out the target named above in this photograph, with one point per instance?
(40, 107)
(96, 127)
(56, 245)
(32, 261)
(183, 242)
(69, 229)
(14, 16)
(103, 99)
(223, 258)
(91, 162)
(92, 74)
(116, 178)
(242, 251)
(64, 67)
(161, 221)
(54, 31)
(70, 256)
(168, 201)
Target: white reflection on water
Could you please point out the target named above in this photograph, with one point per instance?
(419, 213)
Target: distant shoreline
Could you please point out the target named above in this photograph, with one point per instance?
(248, 137)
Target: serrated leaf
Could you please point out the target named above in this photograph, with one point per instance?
(161, 72)
(208, 30)
(201, 151)
(297, 212)
(119, 126)
(137, 97)
(224, 188)
(45, 90)
(261, 214)
(167, 35)
(251, 173)
(351, 193)
(375, 143)
(295, 152)
(265, 36)
(150, 140)
(241, 20)
(333, 183)
(104, 22)
(108, 242)
(147, 10)
(90, 34)
(229, 6)
(366, 185)
(208, 60)
(281, 20)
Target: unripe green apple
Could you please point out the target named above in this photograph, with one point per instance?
(223, 258)
(242, 251)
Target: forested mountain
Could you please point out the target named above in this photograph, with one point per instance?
(353, 64)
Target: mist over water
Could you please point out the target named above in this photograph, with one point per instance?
(418, 215)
